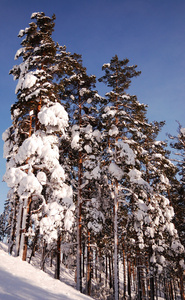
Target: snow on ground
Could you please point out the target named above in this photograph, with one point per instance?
(20, 280)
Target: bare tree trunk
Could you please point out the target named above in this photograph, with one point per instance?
(88, 280)
(181, 284)
(34, 245)
(79, 210)
(19, 229)
(96, 264)
(110, 272)
(152, 286)
(58, 258)
(26, 211)
(124, 273)
(116, 269)
(51, 259)
(106, 269)
(25, 229)
(83, 261)
(79, 227)
(100, 266)
(128, 278)
(143, 276)
(43, 256)
(139, 278)
(13, 229)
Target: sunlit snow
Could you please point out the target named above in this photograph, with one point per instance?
(20, 281)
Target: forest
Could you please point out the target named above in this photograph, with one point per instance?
(91, 187)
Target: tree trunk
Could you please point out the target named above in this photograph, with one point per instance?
(181, 284)
(116, 269)
(26, 214)
(139, 278)
(58, 258)
(79, 209)
(79, 226)
(19, 230)
(43, 256)
(88, 280)
(110, 272)
(12, 233)
(34, 245)
(106, 269)
(83, 261)
(124, 274)
(96, 264)
(25, 229)
(152, 285)
(128, 278)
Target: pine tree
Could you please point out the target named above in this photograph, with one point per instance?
(177, 198)
(178, 143)
(117, 115)
(80, 100)
(39, 124)
(136, 168)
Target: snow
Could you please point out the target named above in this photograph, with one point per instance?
(58, 174)
(126, 152)
(115, 171)
(177, 246)
(75, 137)
(83, 91)
(27, 183)
(164, 179)
(135, 177)
(26, 82)
(41, 177)
(34, 15)
(182, 130)
(97, 135)
(20, 280)
(53, 220)
(96, 172)
(88, 149)
(21, 50)
(113, 131)
(55, 117)
(21, 33)
(107, 65)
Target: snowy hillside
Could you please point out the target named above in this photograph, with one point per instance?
(19, 280)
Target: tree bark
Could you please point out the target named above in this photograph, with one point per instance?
(124, 273)
(13, 229)
(88, 280)
(18, 233)
(58, 258)
(79, 226)
(25, 236)
(181, 284)
(128, 278)
(116, 269)
(110, 272)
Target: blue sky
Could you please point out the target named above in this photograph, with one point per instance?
(150, 33)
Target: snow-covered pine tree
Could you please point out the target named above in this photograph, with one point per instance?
(178, 144)
(178, 192)
(153, 214)
(5, 222)
(118, 119)
(152, 210)
(130, 150)
(81, 101)
(39, 123)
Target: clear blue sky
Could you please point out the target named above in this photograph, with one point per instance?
(150, 33)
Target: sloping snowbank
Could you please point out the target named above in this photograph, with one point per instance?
(19, 280)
